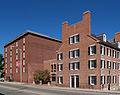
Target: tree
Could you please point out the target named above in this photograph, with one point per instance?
(1, 66)
(44, 76)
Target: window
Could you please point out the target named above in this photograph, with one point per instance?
(16, 50)
(109, 64)
(118, 54)
(16, 44)
(102, 80)
(6, 50)
(54, 67)
(59, 56)
(74, 39)
(92, 80)
(108, 79)
(60, 67)
(5, 54)
(23, 47)
(114, 65)
(16, 57)
(6, 66)
(16, 63)
(92, 50)
(114, 79)
(11, 53)
(92, 63)
(23, 61)
(102, 50)
(102, 64)
(118, 66)
(74, 66)
(10, 64)
(6, 71)
(23, 69)
(108, 52)
(60, 80)
(23, 54)
(114, 54)
(16, 69)
(10, 59)
(53, 77)
(23, 40)
(104, 37)
(10, 70)
(6, 60)
(74, 53)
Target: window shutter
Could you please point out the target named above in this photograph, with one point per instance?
(104, 50)
(88, 50)
(62, 80)
(113, 79)
(78, 65)
(107, 51)
(69, 54)
(95, 63)
(78, 37)
(100, 79)
(73, 53)
(78, 52)
(113, 53)
(57, 79)
(100, 63)
(89, 80)
(73, 66)
(89, 64)
(104, 79)
(104, 63)
(61, 56)
(57, 67)
(95, 80)
(69, 40)
(95, 49)
(107, 63)
(100, 49)
(57, 56)
(69, 66)
(110, 64)
(110, 52)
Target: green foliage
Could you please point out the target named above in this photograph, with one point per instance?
(1, 66)
(42, 75)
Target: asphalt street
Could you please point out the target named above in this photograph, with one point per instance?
(12, 89)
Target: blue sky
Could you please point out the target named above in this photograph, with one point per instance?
(46, 17)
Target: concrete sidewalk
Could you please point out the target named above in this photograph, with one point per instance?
(64, 88)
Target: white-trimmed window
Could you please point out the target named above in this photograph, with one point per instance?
(16, 63)
(114, 53)
(16, 50)
(23, 54)
(10, 59)
(60, 67)
(102, 79)
(6, 60)
(92, 80)
(102, 63)
(23, 40)
(16, 57)
(118, 54)
(23, 69)
(10, 52)
(16, 69)
(6, 66)
(10, 70)
(5, 54)
(6, 71)
(92, 63)
(23, 47)
(108, 52)
(16, 44)
(108, 79)
(23, 61)
(92, 50)
(74, 65)
(114, 79)
(118, 66)
(60, 56)
(10, 47)
(74, 53)
(114, 65)
(5, 49)
(10, 64)
(74, 39)
(109, 64)
(102, 50)
(60, 80)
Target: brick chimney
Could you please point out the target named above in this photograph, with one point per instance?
(64, 29)
(87, 20)
(117, 37)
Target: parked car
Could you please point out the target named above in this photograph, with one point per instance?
(2, 79)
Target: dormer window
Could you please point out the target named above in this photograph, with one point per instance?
(104, 37)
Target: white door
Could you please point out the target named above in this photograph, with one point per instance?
(119, 80)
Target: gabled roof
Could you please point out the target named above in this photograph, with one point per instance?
(35, 34)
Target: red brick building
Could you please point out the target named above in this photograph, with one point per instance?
(85, 60)
(81, 60)
(29, 49)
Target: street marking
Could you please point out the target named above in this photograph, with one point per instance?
(26, 91)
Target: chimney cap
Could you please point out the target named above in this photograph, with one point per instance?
(86, 12)
(65, 22)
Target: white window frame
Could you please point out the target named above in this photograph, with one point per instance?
(75, 39)
(6, 66)
(11, 53)
(91, 49)
(10, 59)
(16, 57)
(114, 79)
(103, 76)
(6, 71)
(71, 65)
(118, 55)
(23, 40)
(75, 53)
(102, 49)
(59, 56)
(91, 63)
(10, 64)
(108, 51)
(103, 60)
(118, 66)
(109, 66)
(23, 69)
(114, 53)
(17, 50)
(16, 44)
(16, 63)
(91, 79)
(59, 67)
(23, 47)
(23, 61)
(10, 70)
(114, 64)
(60, 81)
(6, 60)
(16, 69)
(6, 50)
(6, 55)
(23, 54)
